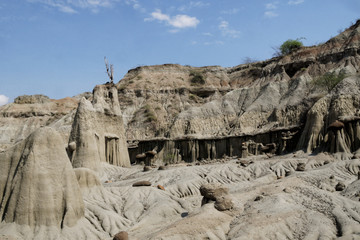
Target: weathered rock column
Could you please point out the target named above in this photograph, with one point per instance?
(98, 133)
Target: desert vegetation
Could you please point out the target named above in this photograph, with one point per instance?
(196, 78)
(149, 113)
(288, 47)
(328, 81)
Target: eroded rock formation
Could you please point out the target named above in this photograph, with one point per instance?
(97, 133)
(249, 99)
(28, 113)
(333, 122)
(37, 183)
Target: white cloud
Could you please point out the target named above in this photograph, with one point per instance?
(227, 31)
(158, 15)
(271, 5)
(70, 6)
(193, 4)
(183, 21)
(178, 21)
(3, 99)
(270, 14)
(295, 2)
(199, 4)
(136, 5)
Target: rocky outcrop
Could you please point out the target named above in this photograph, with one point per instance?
(192, 148)
(97, 133)
(19, 120)
(31, 99)
(232, 101)
(162, 102)
(37, 183)
(171, 102)
(324, 131)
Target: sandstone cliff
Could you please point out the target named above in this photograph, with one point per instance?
(28, 113)
(177, 102)
(173, 102)
(170, 100)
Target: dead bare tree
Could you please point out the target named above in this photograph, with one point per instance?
(109, 70)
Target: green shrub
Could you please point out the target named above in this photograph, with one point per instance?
(168, 158)
(192, 97)
(329, 80)
(197, 78)
(149, 114)
(290, 46)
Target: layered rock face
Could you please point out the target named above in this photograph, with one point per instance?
(97, 133)
(37, 183)
(39, 189)
(168, 102)
(323, 130)
(28, 113)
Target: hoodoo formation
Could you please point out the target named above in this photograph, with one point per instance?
(256, 151)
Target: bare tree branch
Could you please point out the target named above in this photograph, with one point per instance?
(109, 70)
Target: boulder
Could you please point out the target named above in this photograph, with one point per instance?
(212, 191)
(340, 186)
(140, 157)
(121, 236)
(218, 193)
(301, 167)
(336, 125)
(151, 153)
(160, 187)
(224, 203)
(142, 183)
(147, 168)
(244, 163)
(72, 146)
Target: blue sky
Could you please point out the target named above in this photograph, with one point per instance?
(57, 47)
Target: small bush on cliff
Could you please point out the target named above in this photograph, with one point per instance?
(197, 78)
(329, 80)
(149, 114)
(290, 46)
